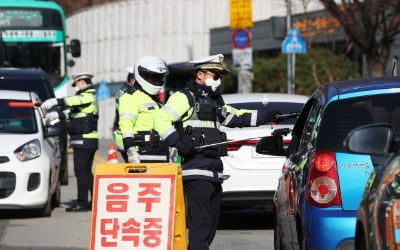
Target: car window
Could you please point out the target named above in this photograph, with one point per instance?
(310, 125)
(18, 120)
(41, 87)
(342, 116)
(284, 107)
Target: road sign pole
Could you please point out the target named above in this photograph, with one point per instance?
(289, 73)
(293, 61)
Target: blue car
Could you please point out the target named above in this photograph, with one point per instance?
(319, 191)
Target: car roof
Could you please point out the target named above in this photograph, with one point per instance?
(19, 95)
(355, 86)
(26, 73)
(264, 97)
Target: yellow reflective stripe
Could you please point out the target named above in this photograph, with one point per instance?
(201, 124)
(153, 157)
(228, 119)
(127, 135)
(171, 112)
(80, 142)
(168, 132)
(127, 115)
(253, 121)
(208, 173)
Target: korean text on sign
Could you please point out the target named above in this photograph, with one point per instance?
(133, 212)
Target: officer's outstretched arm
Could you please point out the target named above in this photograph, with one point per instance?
(245, 118)
(176, 109)
(77, 100)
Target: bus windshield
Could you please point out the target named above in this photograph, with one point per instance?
(45, 55)
(32, 35)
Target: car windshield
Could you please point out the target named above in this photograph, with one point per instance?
(16, 119)
(342, 116)
(283, 107)
(43, 90)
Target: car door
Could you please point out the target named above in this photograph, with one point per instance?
(286, 194)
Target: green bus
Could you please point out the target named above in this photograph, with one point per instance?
(33, 35)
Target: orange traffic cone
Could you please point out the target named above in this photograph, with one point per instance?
(112, 156)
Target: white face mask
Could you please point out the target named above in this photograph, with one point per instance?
(77, 89)
(214, 84)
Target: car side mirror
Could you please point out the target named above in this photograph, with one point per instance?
(54, 130)
(373, 139)
(75, 48)
(271, 145)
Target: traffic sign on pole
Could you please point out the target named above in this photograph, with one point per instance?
(240, 14)
(242, 58)
(241, 38)
(294, 43)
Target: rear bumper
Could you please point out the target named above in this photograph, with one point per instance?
(329, 228)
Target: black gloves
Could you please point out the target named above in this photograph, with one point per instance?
(186, 146)
(275, 116)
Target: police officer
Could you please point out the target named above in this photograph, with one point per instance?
(128, 87)
(191, 118)
(81, 113)
(137, 110)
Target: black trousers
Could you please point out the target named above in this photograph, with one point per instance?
(203, 205)
(83, 160)
(124, 155)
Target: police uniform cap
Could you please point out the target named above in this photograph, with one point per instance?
(211, 63)
(80, 76)
(131, 70)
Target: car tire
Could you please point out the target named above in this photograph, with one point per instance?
(360, 243)
(56, 197)
(46, 210)
(64, 169)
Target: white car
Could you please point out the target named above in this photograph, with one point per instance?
(250, 179)
(29, 155)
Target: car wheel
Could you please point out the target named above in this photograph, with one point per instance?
(64, 169)
(360, 243)
(56, 197)
(45, 211)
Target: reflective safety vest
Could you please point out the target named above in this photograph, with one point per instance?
(83, 117)
(116, 132)
(137, 111)
(200, 117)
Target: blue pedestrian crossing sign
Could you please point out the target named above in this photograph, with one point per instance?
(294, 43)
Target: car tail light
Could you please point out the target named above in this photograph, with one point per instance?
(323, 182)
(235, 145)
(21, 104)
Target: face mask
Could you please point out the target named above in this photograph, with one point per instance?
(76, 89)
(214, 84)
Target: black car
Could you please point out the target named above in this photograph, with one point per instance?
(35, 80)
(378, 216)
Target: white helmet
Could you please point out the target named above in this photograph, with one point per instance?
(150, 73)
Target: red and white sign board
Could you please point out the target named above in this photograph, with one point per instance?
(133, 212)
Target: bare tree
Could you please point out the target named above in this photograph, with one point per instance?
(371, 26)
